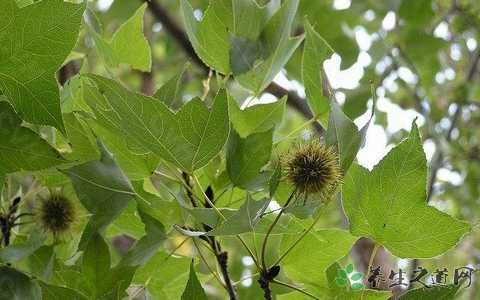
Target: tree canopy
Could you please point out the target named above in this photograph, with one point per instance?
(239, 149)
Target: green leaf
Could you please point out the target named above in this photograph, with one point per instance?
(330, 24)
(315, 51)
(275, 179)
(168, 212)
(71, 96)
(2, 182)
(341, 281)
(148, 245)
(416, 13)
(308, 262)
(115, 286)
(96, 263)
(342, 273)
(81, 139)
(244, 220)
(41, 262)
(136, 166)
(35, 41)
(244, 44)
(104, 282)
(446, 292)
(257, 118)
(164, 276)
(53, 292)
(209, 216)
(103, 189)
(170, 92)
(349, 268)
(193, 290)
(16, 252)
(129, 36)
(16, 285)
(246, 157)
(188, 139)
(224, 21)
(277, 48)
(210, 37)
(128, 223)
(21, 148)
(388, 205)
(357, 286)
(206, 131)
(344, 135)
(356, 276)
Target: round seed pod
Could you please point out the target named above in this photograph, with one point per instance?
(56, 214)
(313, 168)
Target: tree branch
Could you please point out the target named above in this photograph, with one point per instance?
(438, 158)
(176, 32)
(220, 256)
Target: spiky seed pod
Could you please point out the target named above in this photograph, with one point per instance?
(313, 168)
(56, 214)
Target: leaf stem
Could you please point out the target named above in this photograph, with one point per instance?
(245, 278)
(208, 199)
(167, 176)
(207, 265)
(295, 288)
(370, 261)
(177, 247)
(298, 240)
(275, 221)
(308, 122)
(219, 213)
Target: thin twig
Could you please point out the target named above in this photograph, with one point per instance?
(275, 221)
(295, 288)
(300, 238)
(370, 262)
(437, 161)
(206, 263)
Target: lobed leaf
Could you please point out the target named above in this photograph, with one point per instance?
(36, 40)
(388, 205)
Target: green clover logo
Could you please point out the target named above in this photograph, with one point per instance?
(348, 277)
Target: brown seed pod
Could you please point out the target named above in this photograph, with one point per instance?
(56, 214)
(313, 168)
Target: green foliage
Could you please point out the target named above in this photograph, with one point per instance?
(435, 292)
(22, 148)
(193, 290)
(128, 36)
(257, 118)
(343, 134)
(249, 47)
(315, 52)
(189, 139)
(103, 189)
(36, 40)
(246, 157)
(16, 285)
(185, 191)
(380, 202)
(319, 249)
